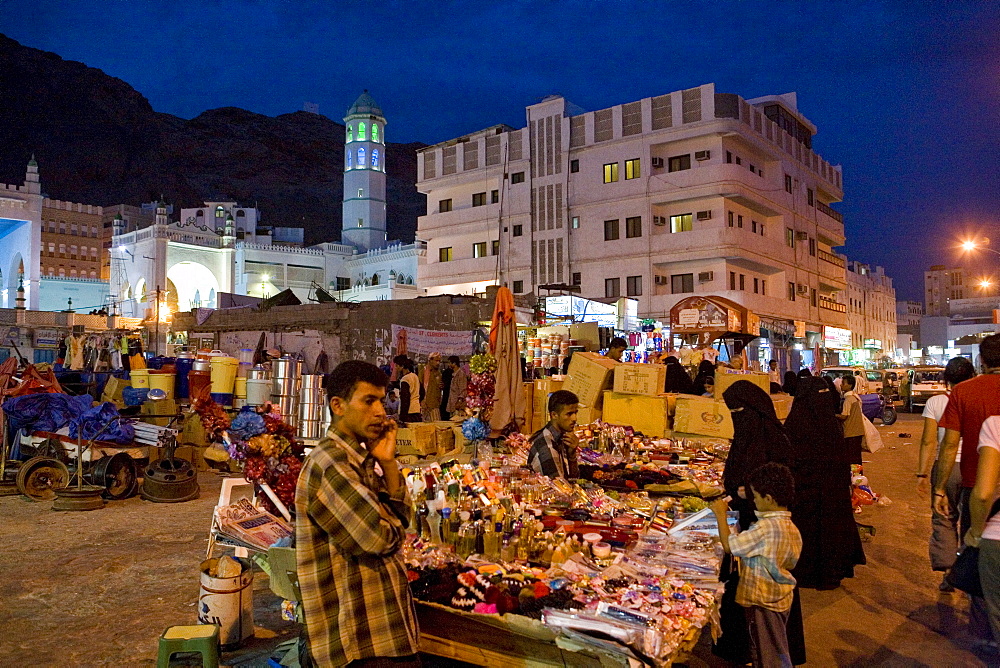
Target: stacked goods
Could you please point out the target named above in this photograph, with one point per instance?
(703, 416)
(645, 379)
(547, 351)
(647, 414)
(726, 377)
(540, 401)
(311, 406)
(589, 375)
(286, 382)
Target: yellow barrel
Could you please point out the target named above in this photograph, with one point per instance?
(224, 374)
(140, 377)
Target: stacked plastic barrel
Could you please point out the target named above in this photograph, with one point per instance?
(311, 423)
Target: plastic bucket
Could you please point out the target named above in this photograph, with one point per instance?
(241, 387)
(140, 378)
(161, 380)
(183, 365)
(224, 374)
(227, 603)
(258, 391)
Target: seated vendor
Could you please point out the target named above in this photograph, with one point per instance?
(553, 448)
(617, 348)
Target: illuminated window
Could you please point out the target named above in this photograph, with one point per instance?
(361, 131)
(374, 133)
(681, 223)
(350, 134)
(220, 212)
(374, 153)
(361, 157)
(632, 169)
(444, 254)
(350, 160)
(611, 172)
(479, 249)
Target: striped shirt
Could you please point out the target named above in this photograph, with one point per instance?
(348, 532)
(768, 551)
(550, 457)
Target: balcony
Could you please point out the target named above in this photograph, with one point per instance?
(831, 258)
(836, 215)
(831, 305)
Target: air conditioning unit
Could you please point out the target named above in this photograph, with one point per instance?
(802, 289)
(706, 276)
(660, 280)
(658, 163)
(659, 220)
(704, 215)
(801, 236)
(702, 155)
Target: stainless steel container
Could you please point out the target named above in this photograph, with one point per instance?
(311, 412)
(312, 381)
(311, 429)
(257, 373)
(285, 386)
(286, 367)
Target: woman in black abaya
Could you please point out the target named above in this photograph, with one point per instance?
(831, 546)
(758, 438)
(677, 379)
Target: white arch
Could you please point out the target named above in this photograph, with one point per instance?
(189, 277)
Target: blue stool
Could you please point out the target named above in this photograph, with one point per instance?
(202, 638)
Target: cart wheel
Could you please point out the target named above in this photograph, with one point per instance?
(116, 474)
(40, 477)
(889, 415)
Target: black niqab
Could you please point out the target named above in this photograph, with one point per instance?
(812, 425)
(677, 379)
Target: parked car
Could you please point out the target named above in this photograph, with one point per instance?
(860, 376)
(924, 382)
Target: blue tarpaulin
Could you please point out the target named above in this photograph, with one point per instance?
(44, 412)
(97, 422)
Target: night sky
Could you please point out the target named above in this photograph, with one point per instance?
(905, 94)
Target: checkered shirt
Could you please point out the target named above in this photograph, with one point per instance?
(550, 457)
(768, 550)
(348, 531)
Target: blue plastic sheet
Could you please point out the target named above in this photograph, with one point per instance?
(98, 422)
(44, 412)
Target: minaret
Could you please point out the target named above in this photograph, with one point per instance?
(31, 183)
(161, 212)
(364, 175)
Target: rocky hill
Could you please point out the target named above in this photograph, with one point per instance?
(98, 141)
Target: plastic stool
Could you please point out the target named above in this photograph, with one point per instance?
(203, 638)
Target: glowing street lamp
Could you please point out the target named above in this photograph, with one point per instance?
(985, 284)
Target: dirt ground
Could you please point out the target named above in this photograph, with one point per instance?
(97, 588)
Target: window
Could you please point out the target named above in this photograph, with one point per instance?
(732, 280)
(574, 166)
(812, 246)
(517, 177)
(577, 278)
(610, 230)
(495, 247)
(52, 248)
(350, 138)
(633, 286)
(810, 197)
(732, 219)
(753, 170)
(788, 183)
(812, 298)
(479, 249)
(444, 254)
(374, 133)
(739, 160)
(72, 228)
(574, 222)
(753, 226)
(518, 286)
(479, 199)
(790, 237)
(374, 156)
(494, 197)
(791, 291)
(361, 192)
(612, 287)
(611, 172)
(760, 228)
(220, 212)
(763, 286)
(679, 163)
(680, 283)
(632, 169)
(444, 206)
(739, 222)
(633, 227)
(756, 286)
(681, 223)
(361, 131)
(361, 157)
(743, 282)
(361, 222)
(350, 161)
(729, 157)
(518, 230)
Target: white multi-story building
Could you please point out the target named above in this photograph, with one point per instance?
(689, 192)
(941, 285)
(222, 246)
(871, 312)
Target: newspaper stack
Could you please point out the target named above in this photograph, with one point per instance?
(252, 527)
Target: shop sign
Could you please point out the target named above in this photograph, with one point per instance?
(582, 310)
(46, 338)
(9, 335)
(427, 341)
(836, 338)
(800, 329)
(874, 344)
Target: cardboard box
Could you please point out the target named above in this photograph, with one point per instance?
(445, 437)
(649, 415)
(724, 378)
(113, 390)
(703, 416)
(588, 415)
(589, 375)
(418, 438)
(647, 379)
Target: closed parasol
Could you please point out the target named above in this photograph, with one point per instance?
(508, 405)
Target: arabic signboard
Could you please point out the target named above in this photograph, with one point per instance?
(708, 314)
(835, 338)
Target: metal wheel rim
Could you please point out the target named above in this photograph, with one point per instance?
(40, 477)
(116, 474)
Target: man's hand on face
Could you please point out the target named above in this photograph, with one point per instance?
(383, 448)
(571, 440)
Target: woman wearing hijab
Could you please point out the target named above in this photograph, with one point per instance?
(758, 438)
(831, 545)
(677, 379)
(704, 379)
(791, 383)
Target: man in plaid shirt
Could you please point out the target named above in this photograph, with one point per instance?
(768, 551)
(352, 510)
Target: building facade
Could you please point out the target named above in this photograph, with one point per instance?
(74, 240)
(692, 192)
(21, 240)
(941, 285)
(871, 313)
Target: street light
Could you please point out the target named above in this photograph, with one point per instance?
(983, 244)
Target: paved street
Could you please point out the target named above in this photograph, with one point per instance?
(98, 588)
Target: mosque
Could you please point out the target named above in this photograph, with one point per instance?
(217, 252)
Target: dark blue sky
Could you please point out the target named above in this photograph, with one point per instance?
(905, 94)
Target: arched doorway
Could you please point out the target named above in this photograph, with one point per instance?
(188, 279)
